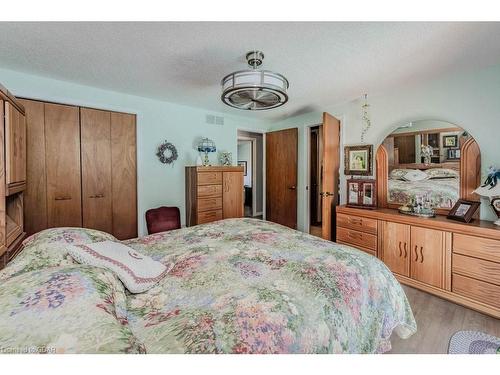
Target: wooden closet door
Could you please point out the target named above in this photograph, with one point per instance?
(431, 256)
(35, 195)
(232, 194)
(96, 169)
(15, 145)
(124, 175)
(395, 247)
(62, 156)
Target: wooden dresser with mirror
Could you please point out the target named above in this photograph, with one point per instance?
(456, 261)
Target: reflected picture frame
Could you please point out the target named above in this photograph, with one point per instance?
(361, 193)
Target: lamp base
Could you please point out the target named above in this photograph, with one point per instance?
(206, 160)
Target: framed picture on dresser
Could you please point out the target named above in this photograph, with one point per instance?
(361, 193)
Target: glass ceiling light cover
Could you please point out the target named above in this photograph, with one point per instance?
(254, 89)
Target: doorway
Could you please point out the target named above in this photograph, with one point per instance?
(251, 156)
(315, 179)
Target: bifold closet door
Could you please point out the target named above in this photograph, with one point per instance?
(96, 169)
(124, 175)
(62, 159)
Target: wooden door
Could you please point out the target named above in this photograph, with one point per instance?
(62, 156)
(3, 231)
(232, 194)
(96, 169)
(35, 195)
(330, 180)
(281, 177)
(396, 247)
(15, 145)
(124, 175)
(430, 258)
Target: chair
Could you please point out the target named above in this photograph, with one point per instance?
(163, 219)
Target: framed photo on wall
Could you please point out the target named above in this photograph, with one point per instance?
(463, 210)
(361, 193)
(358, 160)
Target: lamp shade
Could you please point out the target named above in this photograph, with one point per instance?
(488, 191)
(206, 145)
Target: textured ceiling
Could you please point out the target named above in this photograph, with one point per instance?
(326, 63)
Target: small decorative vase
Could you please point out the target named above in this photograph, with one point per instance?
(226, 158)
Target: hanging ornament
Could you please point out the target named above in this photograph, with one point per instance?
(365, 118)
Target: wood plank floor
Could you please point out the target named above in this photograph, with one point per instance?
(437, 320)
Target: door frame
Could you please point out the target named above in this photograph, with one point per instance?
(254, 162)
(307, 149)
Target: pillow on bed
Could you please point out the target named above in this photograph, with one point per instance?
(67, 235)
(398, 174)
(442, 173)
(415, 175)
(137, 272)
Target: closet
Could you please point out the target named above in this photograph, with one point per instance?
(81, 169)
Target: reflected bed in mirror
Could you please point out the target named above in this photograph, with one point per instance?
(423, 164)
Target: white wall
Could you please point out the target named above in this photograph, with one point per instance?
(470, 100)
(157, 184)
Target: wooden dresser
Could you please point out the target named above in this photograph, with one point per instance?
(12, 175)
(213, 193)
(453, 260)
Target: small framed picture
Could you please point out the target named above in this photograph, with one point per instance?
(495, 203)
(358, 160)
(243, 164)
(450, 140)
(361, 193)
(453, 154)
(463, 210)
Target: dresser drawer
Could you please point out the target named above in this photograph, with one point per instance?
(478, 247)
(209, 190)
(208, 216)
(358, 223)
(477, 268)
(356, 238)
(207, 178)
(206, 204)
(478, 290)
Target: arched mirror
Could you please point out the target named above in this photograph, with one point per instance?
(427, 160)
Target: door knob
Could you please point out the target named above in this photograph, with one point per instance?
(292, 187)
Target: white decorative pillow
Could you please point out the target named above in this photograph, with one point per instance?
(398, 173)
(137, 272)
(442, 173)
(415, 175)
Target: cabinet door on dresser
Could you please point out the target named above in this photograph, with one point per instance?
(431, 257)
(96, 169)
(62, 156)
(15, 145)
(395, 240)
(124, 175)
(232, 188)
(35, 195)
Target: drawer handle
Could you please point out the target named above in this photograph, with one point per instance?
(64, 198)
(416, 254)
(355, 221)
(406, 252)
(355, 235)
(97, 196)
(400, 251)
(421, 254)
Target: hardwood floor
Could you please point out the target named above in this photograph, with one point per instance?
(437, 320)
(315, 231)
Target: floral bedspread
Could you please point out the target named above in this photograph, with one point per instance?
(442, 191)
(237, 286)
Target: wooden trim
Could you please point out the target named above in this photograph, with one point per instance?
(447, 261)
(231, 168)
(478, 228)
(9, 97)
(382, 171)
(15, 187)
(431, 131)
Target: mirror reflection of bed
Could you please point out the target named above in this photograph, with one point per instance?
(424, 163)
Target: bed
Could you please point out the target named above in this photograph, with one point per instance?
(444, 191)
(236, 286)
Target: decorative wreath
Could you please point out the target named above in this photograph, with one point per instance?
(170, 156)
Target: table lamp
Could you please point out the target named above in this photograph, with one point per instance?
(206, 145)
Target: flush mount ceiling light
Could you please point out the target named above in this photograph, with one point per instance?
(254, 89)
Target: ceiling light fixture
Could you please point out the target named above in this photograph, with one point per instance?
(254, 89)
